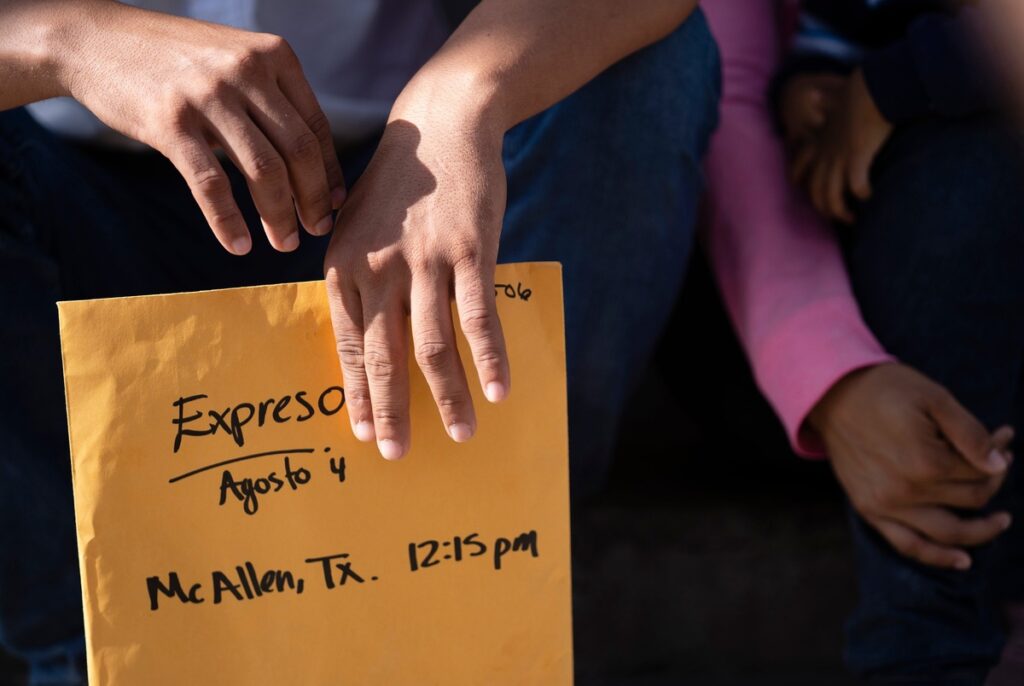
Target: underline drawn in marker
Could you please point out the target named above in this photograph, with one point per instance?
(200, 470)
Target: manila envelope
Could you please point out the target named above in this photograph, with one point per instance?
(231, 530)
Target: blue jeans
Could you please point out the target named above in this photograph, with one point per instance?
(935, 260)
(605, 182)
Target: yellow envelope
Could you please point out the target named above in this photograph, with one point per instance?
(232, 531)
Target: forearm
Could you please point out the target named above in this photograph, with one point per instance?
(35, 39)
(511, 59)
(778, 266)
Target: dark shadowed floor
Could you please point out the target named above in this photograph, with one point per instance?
(717, 557)
(726, 572)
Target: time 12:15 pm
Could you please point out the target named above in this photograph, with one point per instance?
(430, 553)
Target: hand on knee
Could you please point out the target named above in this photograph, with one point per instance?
(910, 457)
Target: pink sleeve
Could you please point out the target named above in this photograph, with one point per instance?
(778, 266)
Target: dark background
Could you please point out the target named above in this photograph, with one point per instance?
(716, 557)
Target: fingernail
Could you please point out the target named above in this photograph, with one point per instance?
(495, 391)
(460, 432)
(364, 431)
(389, 449)
(997, 461)
(241, 245)
(323, 226)
(290, 242)
(338, 196)
(1005, 521)
(962, 563)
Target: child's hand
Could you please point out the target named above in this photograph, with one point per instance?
(838, 159)
(806, 102)
(915, 464)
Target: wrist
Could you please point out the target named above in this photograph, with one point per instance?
(820, 417)
(453, 98)
(67, 37)
(35, 49)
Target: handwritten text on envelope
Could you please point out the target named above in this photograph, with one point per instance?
(232, 531)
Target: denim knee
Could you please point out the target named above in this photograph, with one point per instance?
(935, 257)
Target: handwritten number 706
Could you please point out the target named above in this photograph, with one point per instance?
(511, 291)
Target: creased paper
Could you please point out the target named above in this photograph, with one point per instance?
(232, 531)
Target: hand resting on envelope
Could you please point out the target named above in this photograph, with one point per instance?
(422, 225)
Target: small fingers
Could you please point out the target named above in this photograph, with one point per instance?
(347, 317)
(478, 317)
(967, 434)
(942, 526)
(967, 495)
(211, 188)
(913, 545)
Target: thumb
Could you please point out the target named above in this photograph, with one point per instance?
(968, 436)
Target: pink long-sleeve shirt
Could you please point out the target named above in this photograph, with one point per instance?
(778, 265)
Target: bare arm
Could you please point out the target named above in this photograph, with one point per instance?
(425, 218)
(30, 49)
(511, 59)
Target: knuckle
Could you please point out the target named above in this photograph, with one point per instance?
(350, 352)
(210, 182)
(476, 321)
(433, 356)
(378, 264)
(266, 166)
(386, 416)
(451, 403)
(379, 364)
(338, 276)
(466, 255)
(211, 93)
(319, 125)
(422, 263)
(357, 397)
(305, 147)
(249, 63)
(488, 359)
(224, 217)
(178, 113)
(277, 47)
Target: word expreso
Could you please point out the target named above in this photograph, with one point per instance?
(232, 419)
